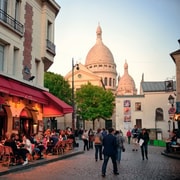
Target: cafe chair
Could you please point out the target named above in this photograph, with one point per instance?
(8, 156)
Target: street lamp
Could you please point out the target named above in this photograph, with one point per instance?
(172, 110)
(73, 103)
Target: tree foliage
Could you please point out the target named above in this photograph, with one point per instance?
(58, 86)
(93, 102)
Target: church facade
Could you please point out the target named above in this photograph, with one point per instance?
(148, 109)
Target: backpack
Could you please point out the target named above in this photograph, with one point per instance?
(97, 140)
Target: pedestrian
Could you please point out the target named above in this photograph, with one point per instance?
(91, 138)
(98, 138)
(134, 133)
(128, 134)
(143, 140)
(104, 132)
(85, 139)
(120, 145)
(109, 151)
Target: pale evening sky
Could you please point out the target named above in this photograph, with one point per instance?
(142, 32)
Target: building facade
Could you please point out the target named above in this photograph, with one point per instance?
(27, 50)
(149, 109)
(99, 69)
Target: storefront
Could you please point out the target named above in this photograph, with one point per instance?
(23, 107)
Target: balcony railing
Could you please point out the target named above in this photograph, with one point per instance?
(51, 47)
(10, 21)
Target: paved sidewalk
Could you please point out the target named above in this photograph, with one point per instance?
(50, 158)
(74, 152)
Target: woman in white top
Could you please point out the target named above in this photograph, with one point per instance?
(27, 144)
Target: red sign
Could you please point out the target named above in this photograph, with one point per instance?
(172, 110)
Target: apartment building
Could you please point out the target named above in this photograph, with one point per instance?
(27, 50)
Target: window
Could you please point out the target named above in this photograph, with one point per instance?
(105, 81)
(1, 57)
(15, 59)
(137, 106)
(3, 7)
(49, 30)
(114, 83)
(110, 81)
(159, 114)
(17, 10)
(169, 85)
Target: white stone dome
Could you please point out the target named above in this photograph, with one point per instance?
(99, 53)
(126, 84)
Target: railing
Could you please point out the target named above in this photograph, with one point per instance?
(51, 46)
(13, 23)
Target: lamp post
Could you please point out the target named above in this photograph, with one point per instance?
(73, 102)
(172, 110)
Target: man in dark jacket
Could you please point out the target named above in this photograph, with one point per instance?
(109, 151)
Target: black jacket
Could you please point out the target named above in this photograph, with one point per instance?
(144, 136)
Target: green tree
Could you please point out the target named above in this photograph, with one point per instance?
(58, 86)
(93, 102)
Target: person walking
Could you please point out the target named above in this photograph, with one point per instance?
(85, 139)
(98, 138)
(128, 134)
(91, 138)
(109, 151)
(120, 145)
(134, 133)
(143, 140)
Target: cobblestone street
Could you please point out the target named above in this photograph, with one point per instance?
(84, 166)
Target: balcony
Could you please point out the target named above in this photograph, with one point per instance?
(11, 22)
(51, 47)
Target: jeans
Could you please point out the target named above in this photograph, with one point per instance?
(86, 144)
(118, 155)
(144, 148)
(98, 149)
(106, 159)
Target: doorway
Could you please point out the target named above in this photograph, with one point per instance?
(26, 126)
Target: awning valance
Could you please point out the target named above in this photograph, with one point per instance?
(55, 106)
(16, 88)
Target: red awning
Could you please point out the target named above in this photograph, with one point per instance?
(53, 106)
(16, 88)
(56, 107)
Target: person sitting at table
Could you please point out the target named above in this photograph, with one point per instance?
(38, 147)
(52, 142)
(171, 141)
(17, 139)
(26, 144)
(17, 152)
(62, 135)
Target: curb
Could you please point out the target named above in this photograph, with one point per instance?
(170, 155)
(39, 162)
